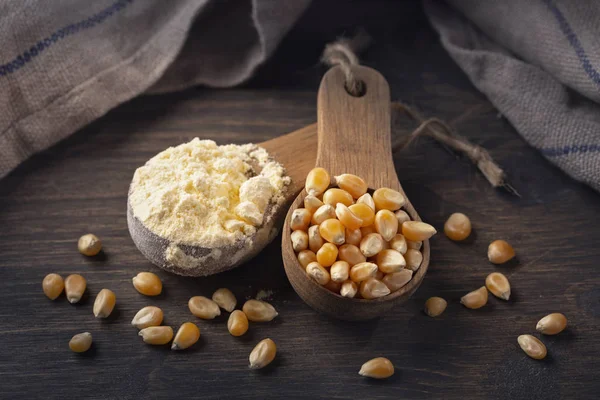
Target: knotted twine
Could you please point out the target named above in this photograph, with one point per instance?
(342, 53)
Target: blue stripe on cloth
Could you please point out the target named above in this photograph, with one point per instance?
(572, 149)
(68, 30)
(565, 27)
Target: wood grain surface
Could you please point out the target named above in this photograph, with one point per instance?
(80, 186)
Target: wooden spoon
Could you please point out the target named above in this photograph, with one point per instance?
(353, 137)
(297, 152)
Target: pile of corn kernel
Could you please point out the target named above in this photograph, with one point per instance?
(353, 243)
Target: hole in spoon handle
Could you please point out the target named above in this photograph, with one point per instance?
(354, 132)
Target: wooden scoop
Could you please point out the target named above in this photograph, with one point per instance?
(353, 137)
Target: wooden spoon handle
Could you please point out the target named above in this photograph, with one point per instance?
(354, 132)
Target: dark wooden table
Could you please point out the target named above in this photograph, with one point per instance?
(81, 184)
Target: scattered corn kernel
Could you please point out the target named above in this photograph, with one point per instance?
(398, 243)
(339, 271)
(390, 261)
(378, 368)
(499, 252)
(300, 219)
(386, 224)
(351, 254)
(388, 199)
(353, 236)
(305, 257)
(435, 306)
(318, 273)
(498, 285)
(347, 217)
(417, 231)
(315, 241)
(187, 335)
(397, 280)
(349, 289)
(104, 303)
(312, 203)
(333, 231)
(147, 283)
(334, 196)
(363, 271)
(225, 299)
(364, 212)
(259, 311)
(402, 216)
(89, 245)
(75, 287)
(365, 230)
(366, 199)
(352, 184)
(53, 285)
(203, 307)
(81, 342)
(326, 211)
(532, 346)
(327, 254)
(373, 289)
(475, 299)
(156, 335)
(371, 244)
(263, 354)
(237, 324)
(148, 316)
(413, 259)
(317, 181)
(552, 324)
(414, 245)
(299, 240)
(457, 227)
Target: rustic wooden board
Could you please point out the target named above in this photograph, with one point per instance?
(81, 185)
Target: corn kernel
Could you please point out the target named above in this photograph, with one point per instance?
(339, 271)
(187, 335)
(379, 275)
(457, 227)
(378, 368)
(352, 184)
(351, 254)
(203, 307)
(499, 252)
(475, 299)
(388, 199)
(364, 212)
(327, 254)
(104, 303)
(363, 271)
(147, 283)
(353, 236)
(225, 299)
(300, 219)
(435, 306)
(324, 212)
(237, 324)
(305, 257)
(386, 224)
(156, 335)
(312, 203)
(317, 181)
(398, 243)
(315, 241)
(397, 280)
(402, 216)
(259, 311)
(414, 245)
(390, 261)
(552, 324)
(317, 273)
(299, 240)
(368, 200)
(498, 285)
(417, 231)
(333, 286)
(372, 289)
(371, 244)
(334, 196)
(349, 289)
(263, 354)
(413, 259)
(365, 230)
(347, 217)
(333, 231)
(148, 316)
(53, 285)
(532, 346)
(89, 245)
(75, 287)
(81, 342)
